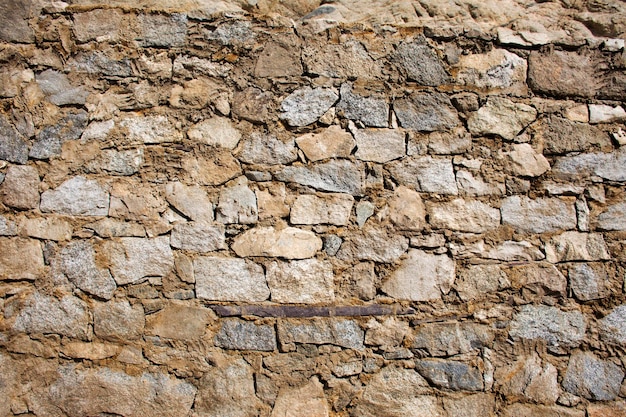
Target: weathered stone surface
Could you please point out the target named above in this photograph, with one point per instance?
(78, 263)
(338, 176)
(216, 131)
(613, 218)
(39, 313)
(162, 30)
(524, 161)
(474, 186)
(178, 321)
(127, 162)
(108, 227)
(559, 136)
(389, 333)
(464, 215)
(191, 200)
(426, 112)
(133, 259)
(470, 405)
(407, 211)
(528, 410)
(538, 276)
(420, 63)
(501, 116)
(369, 110)
(450, 374)
(78, 196)
(278, 60)
(557, 328)
(289, 243)
(50, 140)
(615, 409)
(306, 105)
(20, 259)
(601, 113)
(307, 400)
(307, 281)
(514, 251)
(149, 129)
(7, 227)
(14, 21)
(58, 89)
(364, 210)
(340, 332)
(271, 201)
(333, 142)
(20, 188)
(253, 104)
(548, 214)
(226, 279)
(495, 71)
(198, 236)
(421, 277)
(576, 246)
(236, 33)
(245, 335)
(588, 281)
(379, 145)
(13, 147)
(592, 378)
(613, 326)
(118, 321)
(267, 149)
(426, 174)
(457, 141)
(477, 281)
(373, 245)
(530, 379)
(237, 203)
(102, 63)
(345, 60)
(135, 200)
(323, 209)
(97, 24)
(216, 169)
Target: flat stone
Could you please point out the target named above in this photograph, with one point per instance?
(602, 113)
(101, 63)
(448, 339)
(20, 188)
(253, 104)
(267, 149)
(21, 259)
(228, 279)
(308, 399)
(588, 281)
(7, 227)
(78, 263)
(97, 24)
(426, 174)
(133, 259)
(345, 60)
(331, 208)
(39, 313)
(198, 236)
(161, 30)
(13, 147)
(50, 140)
(525, 162)
(474, 186)
(577, 113)
(379, 145)
(77, 196)
(477, 281)
(289, 243)
(557, 328)
(495, 71)
(452, 375)
(14, 25)
(538, 276)
(419, 63)
(307, 105)
(108, 227)
(307, 281)
(178, 321)
(421, 277)
(592, 378)
(338, 176)
(118, 321)
(548, 214)
(514, 251)
(457, 141)
(245, 335)
(470, 405)
(149, 129)
(370, 110)
(91, 351)
(613, 217)
(127, 162)
(471, 216)
(135, 200)
(191, 200)
(530, 379)
(278, 60)
(373, 245)
(216, 131)
(389, 333)
(406, 209)
(501, 117)
(237, 203)
(333, 142)
(559, 136)
(613, 326)
(576, 246)
(57, 88)
(271, 201)
(340, 332)
(214, 169)
(528, 410)
(426, 112)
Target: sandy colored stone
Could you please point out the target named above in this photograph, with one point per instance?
(537, 276)
(91, 351)
(21, 259)
(216, 131)
(237, 203)
(178, 321)
(226, 279)
(471, 405)
(425, 174)
(373, 245)
(48, 228)
(448, 339)
(576, 246)
(20, 188)
(331, 208)
(118, 321)
(329, 143)
(355, 62)
(477, 281)
(379, 145)
(271, 201)
(339, 176)
(149, 129)
(217, 169)
(133, 259)
(529, 378)
(524, 161)
(464, 215)
(495, 71)
(190, 200)
(278, 60)
(407, 210)
(307, 281)
(528, 410)
(501, 117)
(289, 243)
(307, 400)
(77, 261)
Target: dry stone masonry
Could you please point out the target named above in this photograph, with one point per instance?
(286, 208)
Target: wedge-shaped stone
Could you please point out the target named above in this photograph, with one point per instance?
(289, 243)
(192, 201)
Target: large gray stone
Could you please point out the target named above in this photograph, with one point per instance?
(13, 147)
(245, 335)
(374, 245)
(14, 15)
(338, 176)
(379, 145)
(613, 218)
(559, 135)
(199, 236)
(190, 200)
(118, 321)
(420, 63)
(77, 196)
(228, 279)
(20, 188)
(78, 263)
(133, 259)
(577, 246)
(340, 332)
(593, 378)
(237, 203)
(547, 214)
(49, 141)
(477, 281)
(371, 111)
(236, 33)
(307, 281)
(426, 112)
(306, 105)
(126, 162)
(99, 23)
(557, 328)
(426, 174)
(267, 149)
(57, 88)
(464, 215)
(451, 375)
(323, 209)
(450, 339)
(163, 30)
(289, 243)
(501, 117)
(588, 281)
(613, 326)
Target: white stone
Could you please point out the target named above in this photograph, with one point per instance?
(237, 203)
(191, 200)
(216, 131)
(379, 145)
(373, 244)
(307, 281)
(198, 236)
(547, 214)
(289, 243)
(229, 279)
(150, 129)
(501, 116)
(524, 161)
(78, 262)
(576, 246)
(77, 196)
(426, 174)
(613, 218)
(332, 208)
(133, 259)
(464, 215)
(306, 105)
(601, 113)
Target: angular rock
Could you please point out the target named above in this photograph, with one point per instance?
(118, 321)
(7, 227)
(475, 186)
(77, 196)
(576, 246)
(323, 209)
(389, 333)
(14, 25)
(108, 227)
(50, 140)
(340, 332)
(21, 259)
(588, 281)
(528, 410)
(271, 201)
(192, 201)
(379, 145)
(501, 117)
(91, 351)
(306, 105)
(452, 338)
(613, 218)
(476, 281)
(48, 228)
(514, 251)
(307, 400)
(13, 147)
(149, 129)
(135, 200)
(538, 276)
(407, 211)
(253, 104)
(278, 60)
(470, 405)
(370, 110)
(615, 409)
(345, 60)
(559, 136)
(20, 188)
(420, 63)
(334, 142)
(289, 243)
(160, 30)
(214, 169)
(426, 112)
(125, 163)
(101, 63)
(133, 259)
(237, 203)
(78, 263)
(57, 88)
(178, 321)
(601, 113)
(592, 378)
(338, 176)
(235, 33)
(267, 149)
(245, 335)
(456, 141)
(557, 328)
(227, 279)
(525, 162)
(470, 216)
(495, 71)
(613, 326)
(216, 131)
(421, 277)
(548, 214)
(98, 23)
(373, 245)
(452, 375)
(307, 281)
(530, 379)
(426, 174)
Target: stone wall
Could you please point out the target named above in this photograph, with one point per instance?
(214, 208)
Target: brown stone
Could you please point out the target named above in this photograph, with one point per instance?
(278, 60)
(306, 400)
(20, 188)
(178, 321)
(253, 104)
(20, 259)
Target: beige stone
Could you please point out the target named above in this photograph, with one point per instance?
(190, 200)
(133, 259)
(289, 243)
(48, 228)
(523, 160)
(306, 281)
(538, 276)
(20, 188)
(406, 209)
(306, 400)
(464, 215)
(215, 169)
(332, 142)
(178, 321)
(495, 71)
(579, 113)
(89, 350)
(501, 117)
(20, 259)
(379, 145)
(530, 379)
(576, 246)
(332, 208)
(216, 131)
(271, 201)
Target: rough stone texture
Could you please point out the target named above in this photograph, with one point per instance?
(614, 409)
(467, 216)
(407, 211)
(476, 281)
(330, 143)
(501, 117)
(305, 400)
(290, 243)
(557, 328)
(198, 236)
(613, 326)
(338, 176)
(178, 321)
(118, 321)
(253, 104)
(245, 335)
(497, 71)
(163, 30)
(588, 281)
(99, 23)
(218, 169)
(216, 131)
(374, 245)
(78, 263)
(191, 201)
(592, 378)
(355, 63)
(307, 281)
(20, 188)
(379, 145)
(471, 405)
(345, 333)
(525, 162)
(237, 203)
(371, 111)
(58, 89)
(420, 63)
(537, 276)
(50, 228)
(530, 379)
(267, 149)
(548, 214)
(50, 140)
(527, 410)
(20, 259)
(305, 106)
(576, 246)
(77, 196)
(559, 136)
(450, 375)
(13, 147)
(426, 174)
(225, 279)
(613, 218)
(278, 60)
(323, 209)
(452, 339)
(426, 112)
(421, 277)
(133, 259)
(150, 129)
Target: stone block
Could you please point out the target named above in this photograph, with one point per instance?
(340, 332)
(306, 105)
(133, 259)
(237, 203)
(77, 261)
(198, 236)
(452, 375)
(245, 335)
(593, 378)
(373, 245)
(426, 112)
(419, 63)
(471, 216)
(118, 321)
(379, 145)
(77, 196)
(576, 246)
(371, 110)
(452, 338)
(501, 117)
(333, 142)
(558, 329)
(178, 321)
(613, 326)
(21, 259)
(425, 174)
(20, 188)
(267, 149)
(547, 214)
(322, 209)
(289, 243)
(338, 176)
(227, 279)
(307, 281)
